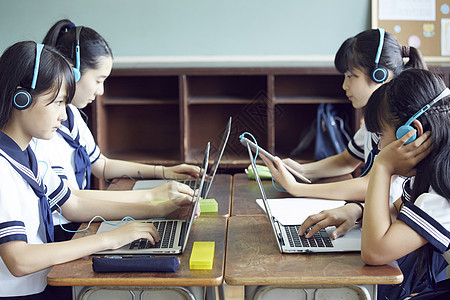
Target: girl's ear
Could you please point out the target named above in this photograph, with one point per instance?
(418, 126)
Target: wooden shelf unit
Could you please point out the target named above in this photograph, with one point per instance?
(167, 115)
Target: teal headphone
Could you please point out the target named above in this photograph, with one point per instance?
(404, 129)
(76, 69)
(22, 98)
(380, 73)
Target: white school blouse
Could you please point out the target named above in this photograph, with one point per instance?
(360, 146)
(61, 155)
(429, 216)
(20, 220)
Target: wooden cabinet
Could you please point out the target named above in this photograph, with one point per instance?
(167, 115)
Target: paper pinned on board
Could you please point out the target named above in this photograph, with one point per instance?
(421, 10)
(292, 211)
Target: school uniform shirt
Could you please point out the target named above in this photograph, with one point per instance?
(429, 216)
(61, 155)
(20, 217)
(364, 146)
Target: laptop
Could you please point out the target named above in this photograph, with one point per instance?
(174, 233)
(152, 183)
(287, 236)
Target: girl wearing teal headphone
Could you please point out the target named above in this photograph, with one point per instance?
(367, 60)
(420, 231)
(30, 191)
(73, 152)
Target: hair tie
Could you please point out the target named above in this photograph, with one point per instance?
(405, 51)
(70, 26)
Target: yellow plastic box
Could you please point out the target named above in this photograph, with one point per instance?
(202, 256)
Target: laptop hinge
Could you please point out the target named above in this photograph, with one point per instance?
(278, 230)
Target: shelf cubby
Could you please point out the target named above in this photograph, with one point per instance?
(167, 115)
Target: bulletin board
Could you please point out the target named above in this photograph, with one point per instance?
(423, 24)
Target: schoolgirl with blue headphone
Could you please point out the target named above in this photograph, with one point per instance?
(73, 152)
(412, 115)
(368, 60)
(36, 84)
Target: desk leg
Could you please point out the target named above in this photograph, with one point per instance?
(210, 293)
(221, 292)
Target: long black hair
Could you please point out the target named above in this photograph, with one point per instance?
(396, 101)
(359, 52)
(93, 47)
(17, 69)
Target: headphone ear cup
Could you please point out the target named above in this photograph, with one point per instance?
(22, 99)
(77, 74)
(404, 129)
(380, 74)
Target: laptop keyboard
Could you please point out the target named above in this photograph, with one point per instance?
(320, 239)
(192, 183)
(166, 230)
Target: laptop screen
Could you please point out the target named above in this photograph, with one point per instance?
(201, 186)
(263, 196)
(219, 155)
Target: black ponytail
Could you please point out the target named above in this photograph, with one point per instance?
(359, 52)
(93, 47)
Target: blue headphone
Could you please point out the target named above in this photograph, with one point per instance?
(76, 69)
(404, 129)
(22, 98)
(380, 73)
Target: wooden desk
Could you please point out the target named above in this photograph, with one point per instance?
(253, 259)
(245, 191)
(206, 228)
(220, 190)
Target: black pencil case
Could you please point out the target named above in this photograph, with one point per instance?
(135, 264)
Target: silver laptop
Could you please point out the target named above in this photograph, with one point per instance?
(152, 183)
(174, 233)
(287, 236)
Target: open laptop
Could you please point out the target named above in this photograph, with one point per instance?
(152, 183)
(174, 233)
(287, 236)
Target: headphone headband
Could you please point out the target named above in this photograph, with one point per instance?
(39, 48)
(444, 94)
(23, 98)
(404, 129)
(380, 73)
(76, 69)
(380, 46)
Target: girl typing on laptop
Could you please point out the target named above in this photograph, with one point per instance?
(367, 60)
(411, 113)
(36, 84)
(73, 152)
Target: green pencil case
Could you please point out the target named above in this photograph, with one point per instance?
(209, 206)
(263, 172)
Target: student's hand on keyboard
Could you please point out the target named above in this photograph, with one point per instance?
(183, 171)
(129, 232)
(343, 218)
(172, 190)
(179, 208)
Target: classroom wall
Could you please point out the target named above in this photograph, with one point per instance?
(160, 28)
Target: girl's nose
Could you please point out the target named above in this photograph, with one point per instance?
(63, 114)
